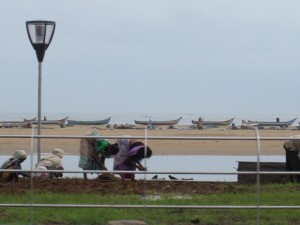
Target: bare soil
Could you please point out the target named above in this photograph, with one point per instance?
(103, 187)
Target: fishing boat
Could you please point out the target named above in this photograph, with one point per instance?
(16, 123)
(89, 122)
(271, 123)
(213, 123)
(60, 122)
(157, 122)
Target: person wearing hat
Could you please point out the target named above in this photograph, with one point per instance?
(93, 153)
(50, 162)
(14, 163)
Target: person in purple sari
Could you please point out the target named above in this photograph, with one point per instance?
(129, 157)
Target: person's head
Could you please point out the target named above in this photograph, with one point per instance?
(145, 154)
(20, 155)
(142, 152)
(58, 152)
(112, 149)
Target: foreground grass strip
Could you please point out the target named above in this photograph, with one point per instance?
(283, 194)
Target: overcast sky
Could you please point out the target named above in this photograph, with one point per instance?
(154, 56)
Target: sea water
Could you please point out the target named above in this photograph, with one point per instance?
(169, 164)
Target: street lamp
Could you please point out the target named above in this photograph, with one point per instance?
(40, 34)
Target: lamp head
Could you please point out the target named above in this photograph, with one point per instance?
(40, 33)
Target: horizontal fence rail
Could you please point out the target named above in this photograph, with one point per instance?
(156, 172)
(155, 137)
(256, 138)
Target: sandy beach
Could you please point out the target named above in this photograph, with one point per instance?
(159, 147)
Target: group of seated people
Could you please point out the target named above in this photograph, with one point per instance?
(50, 162)
(127, 154)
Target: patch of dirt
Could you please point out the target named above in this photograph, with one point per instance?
(117, 186)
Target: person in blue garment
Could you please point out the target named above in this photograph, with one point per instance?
(14, 163)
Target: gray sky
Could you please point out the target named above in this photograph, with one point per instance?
(159, 56)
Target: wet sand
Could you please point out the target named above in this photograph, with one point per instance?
(159, 147)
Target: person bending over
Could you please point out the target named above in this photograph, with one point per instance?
(129, 157)
(93, 153)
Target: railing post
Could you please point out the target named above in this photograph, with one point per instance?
(257, 175)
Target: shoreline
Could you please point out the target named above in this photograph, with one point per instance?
(159, 147)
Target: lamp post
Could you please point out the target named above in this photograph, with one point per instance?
(40, 33)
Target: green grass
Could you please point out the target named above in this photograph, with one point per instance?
(271, 194)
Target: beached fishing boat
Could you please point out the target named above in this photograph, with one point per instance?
(157, 122)
(89, 122)
(213, 123)
(16, 123)
(51, 122)
(271, 123)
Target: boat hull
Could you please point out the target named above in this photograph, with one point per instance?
(89, 122)
(52, 122)
(213, 123)
(157, 123)
(272, 124)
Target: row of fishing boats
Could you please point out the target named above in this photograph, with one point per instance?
(200, 122)
(229, 122)
(61, 122)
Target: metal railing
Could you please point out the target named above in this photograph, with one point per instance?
(257, 138)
